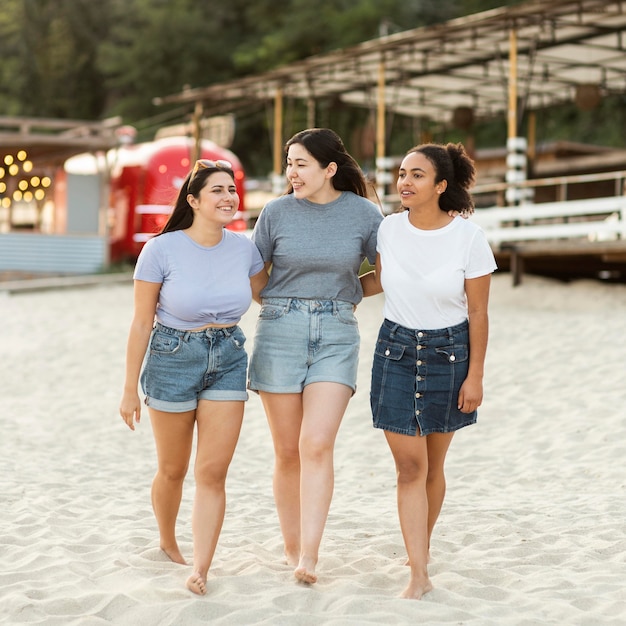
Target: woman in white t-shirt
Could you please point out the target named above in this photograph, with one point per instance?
(427, 375)
(193, 283)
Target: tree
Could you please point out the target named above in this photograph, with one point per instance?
(52, 48)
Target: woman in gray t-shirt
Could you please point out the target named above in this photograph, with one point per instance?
(305, 356)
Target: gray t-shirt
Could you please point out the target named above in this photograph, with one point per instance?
(317, 249)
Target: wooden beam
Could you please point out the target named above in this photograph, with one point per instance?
(381, 148)
(278, 132)
(512, 110)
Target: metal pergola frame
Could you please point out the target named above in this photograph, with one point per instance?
(530, 56)
(53, 141)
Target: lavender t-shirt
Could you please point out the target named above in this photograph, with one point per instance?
(200, 285)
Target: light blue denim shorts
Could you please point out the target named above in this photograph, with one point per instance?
(299, 342)
(416, 378)
(182, 367)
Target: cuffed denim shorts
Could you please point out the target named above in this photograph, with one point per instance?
(182, 367)
(299, 342)
(416, 378)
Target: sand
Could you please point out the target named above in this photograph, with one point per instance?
(533, 530)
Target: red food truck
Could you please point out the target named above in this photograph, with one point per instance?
(145, 181)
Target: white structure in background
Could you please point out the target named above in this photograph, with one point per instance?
(384, 177)
(517, 172)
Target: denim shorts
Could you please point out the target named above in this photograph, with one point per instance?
(182, 367)
(416, 378)
(299, 342)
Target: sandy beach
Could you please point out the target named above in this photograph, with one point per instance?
(533, 529)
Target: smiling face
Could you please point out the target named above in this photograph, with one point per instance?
(308, 178)
(416, 182)
(218, 200)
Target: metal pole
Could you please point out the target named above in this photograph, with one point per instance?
(383, 164)
(277, 182)
(310, 113)
(380, 115)
(197, 132)
(517, 159)
(512, 111)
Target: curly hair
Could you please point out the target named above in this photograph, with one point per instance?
(452, 164)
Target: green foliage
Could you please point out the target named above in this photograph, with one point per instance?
(49, 50)
(605, 125)
(467, 7)
(157, 48)
(10, 66)
(304, 28)
(95, 58)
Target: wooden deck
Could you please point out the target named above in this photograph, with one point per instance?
(564, 261)
(565, 240)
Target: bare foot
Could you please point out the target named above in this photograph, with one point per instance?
(196, 583)
(174, 554)
(416, 589)
(305, 572)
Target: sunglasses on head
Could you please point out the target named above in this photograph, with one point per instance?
(202, 164)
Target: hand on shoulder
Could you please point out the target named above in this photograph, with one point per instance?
(465, 213)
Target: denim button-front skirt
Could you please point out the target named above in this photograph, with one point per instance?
(416, 378)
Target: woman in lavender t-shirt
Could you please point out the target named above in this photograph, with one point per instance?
(193, 282)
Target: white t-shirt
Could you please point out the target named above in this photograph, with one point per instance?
(424, 271)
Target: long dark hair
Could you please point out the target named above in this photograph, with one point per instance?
(182, 215)
(326, 147)
(452, 164)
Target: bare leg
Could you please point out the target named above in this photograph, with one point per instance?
(284, 415)
(410, 455)
(323, 407)
(173, 436)
(219, 424)
(437, 444)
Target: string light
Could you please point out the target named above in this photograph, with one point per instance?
(25, 189)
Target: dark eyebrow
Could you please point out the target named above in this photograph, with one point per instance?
(414, 169)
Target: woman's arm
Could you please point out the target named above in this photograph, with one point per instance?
(146, 298)
(370, 282)
(259, 281)
(477, 292)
